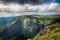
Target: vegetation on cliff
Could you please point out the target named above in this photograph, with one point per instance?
(52, 33)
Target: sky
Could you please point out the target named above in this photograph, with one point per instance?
(16, 9)
(27, 1)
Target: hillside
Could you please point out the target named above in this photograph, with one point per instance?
(25, 27)
(52, 33)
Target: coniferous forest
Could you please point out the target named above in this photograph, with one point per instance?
(33, 27)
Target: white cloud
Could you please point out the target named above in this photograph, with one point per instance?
(17, 9)
(53, 6)
(27, 7)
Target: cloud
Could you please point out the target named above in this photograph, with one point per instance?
(14, 9)
(53, 6)
(27, 1)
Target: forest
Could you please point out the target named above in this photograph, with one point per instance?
(34, 27)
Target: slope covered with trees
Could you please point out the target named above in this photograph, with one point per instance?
(24, 27)
(50, 33)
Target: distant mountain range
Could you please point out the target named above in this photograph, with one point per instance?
(4, 20)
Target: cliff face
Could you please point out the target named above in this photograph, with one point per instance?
(52, 33)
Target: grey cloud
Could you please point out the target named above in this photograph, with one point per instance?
(27, 1)
(13, 9)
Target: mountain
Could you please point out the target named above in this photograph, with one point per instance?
(4, 20)
(24, 27)
(51, 32)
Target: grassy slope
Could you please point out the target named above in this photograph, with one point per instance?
(52, 33)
